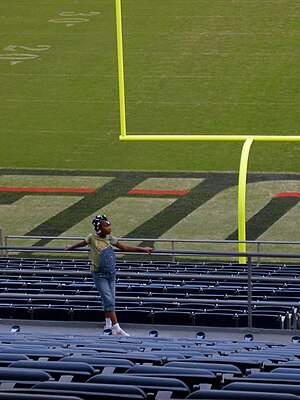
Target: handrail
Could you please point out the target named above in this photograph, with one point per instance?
(166, 252)
(158, 239)
(1, 240)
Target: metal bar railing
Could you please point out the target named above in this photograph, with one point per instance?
(166, 252)
(1, 241)
(249, 265)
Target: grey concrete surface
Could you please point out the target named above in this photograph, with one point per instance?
(164, 331)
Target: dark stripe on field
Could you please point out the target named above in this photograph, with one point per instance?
(266, 217)
(183, 206)
(90, 204)
(10, 198)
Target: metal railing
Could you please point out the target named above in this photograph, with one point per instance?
(4, 241)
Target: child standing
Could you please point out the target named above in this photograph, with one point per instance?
(104, 266)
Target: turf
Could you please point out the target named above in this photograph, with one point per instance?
(191, 67)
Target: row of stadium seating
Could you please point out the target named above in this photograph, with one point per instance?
(76, 366)
(186, 293)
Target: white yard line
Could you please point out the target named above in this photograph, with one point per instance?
(226, 103)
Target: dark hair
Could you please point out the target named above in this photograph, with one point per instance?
(97, 221)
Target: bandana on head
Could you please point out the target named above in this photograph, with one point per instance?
(97, 221)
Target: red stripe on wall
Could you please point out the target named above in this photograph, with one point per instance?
(158, 192)
(287, 194)
(45, 189)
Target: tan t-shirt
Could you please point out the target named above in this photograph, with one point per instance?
(97, 244)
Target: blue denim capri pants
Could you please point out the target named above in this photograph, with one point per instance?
(106, 286)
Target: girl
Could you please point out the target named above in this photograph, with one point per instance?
(104, 266)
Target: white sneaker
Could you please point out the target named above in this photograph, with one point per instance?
(107, 327)
(107, 331)
(119, 332)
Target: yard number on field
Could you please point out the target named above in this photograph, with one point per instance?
(70, 18)
(16, 54)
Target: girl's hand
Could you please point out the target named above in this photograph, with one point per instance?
(68, 248)
(148, 249)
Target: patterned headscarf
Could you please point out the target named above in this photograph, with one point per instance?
(97, 221)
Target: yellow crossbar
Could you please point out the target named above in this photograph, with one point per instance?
(203, 138)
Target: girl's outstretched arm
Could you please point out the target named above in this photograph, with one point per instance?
(124, 247)
(82, 243)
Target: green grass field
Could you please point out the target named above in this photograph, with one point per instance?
(191, 67)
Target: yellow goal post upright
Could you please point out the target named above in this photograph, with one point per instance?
(247, 140)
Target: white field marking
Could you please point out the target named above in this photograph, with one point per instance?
(114, 133)
(224, 103)
(14, 58)
(239, 79)
(279, 32)
(257, 103)
(213, 53)
(203, 16)
(59, 33)
(71, 132)
(40, 47)
(68, 21)
(74, 14)
(64, 75)
(162, 33)
(17, 57)
(71, 18)
(58, 101)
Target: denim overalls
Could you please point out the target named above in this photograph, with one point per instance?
(105, 278)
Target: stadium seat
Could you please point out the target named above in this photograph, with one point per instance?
(190, 376)
(239, 395)
(91, 391)
(7, 358)
(78, 371)
(214, 367)
(100, 363)
(264, 387)
(23, 375)
(34, 353)
(150, 385)
(23, 395)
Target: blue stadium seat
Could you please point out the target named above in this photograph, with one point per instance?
(190, 376)
(239, 395)
(79, 371)
(150, 385)
(91, 391)
(100, 363)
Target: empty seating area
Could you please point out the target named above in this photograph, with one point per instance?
(89, 367)
(153, 292)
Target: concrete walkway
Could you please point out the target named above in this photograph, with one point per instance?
(164, 331)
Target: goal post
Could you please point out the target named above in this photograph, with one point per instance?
(246, 139)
